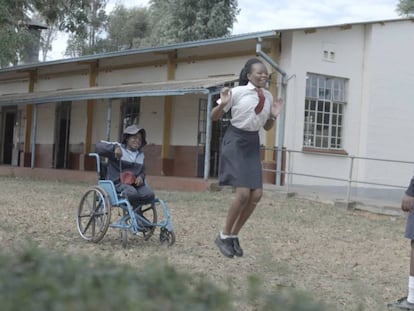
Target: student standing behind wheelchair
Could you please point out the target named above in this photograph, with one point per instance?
(252, 107)
(126, 166)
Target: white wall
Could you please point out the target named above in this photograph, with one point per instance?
(184, 121)
(389, 112)
(302, 53)
(62, 82)
(208, 68)
(100, 117)
(152, 118)
(134, 75)
(78, 122)
(13, 87)
(376, 59)
(45, 124)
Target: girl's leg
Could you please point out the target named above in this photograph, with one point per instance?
(239, 204)
(225, 241)
(254, 198)
(410, 298)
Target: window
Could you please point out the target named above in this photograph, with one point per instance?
(324, 112)
(130, 110)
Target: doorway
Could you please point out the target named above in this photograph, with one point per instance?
(62, 133)
(9, 121)
(218, 129)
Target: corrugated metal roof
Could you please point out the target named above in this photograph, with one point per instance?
(157, 49)
(167, 88)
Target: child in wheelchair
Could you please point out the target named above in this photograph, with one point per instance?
(125, 166)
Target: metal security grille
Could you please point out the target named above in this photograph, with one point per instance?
(324, 112)
(202, 122)
(130, 110)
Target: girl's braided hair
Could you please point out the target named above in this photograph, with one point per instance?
(243, 80)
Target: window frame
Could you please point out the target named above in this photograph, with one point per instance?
(130, 112)
(324, 112)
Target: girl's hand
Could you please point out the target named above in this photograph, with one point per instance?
(118, 153)
(276, 107)
(139, 181)
(225, 95)
(407, 203)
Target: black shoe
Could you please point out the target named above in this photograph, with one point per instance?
(225, 246)
(402, 304)
(238, 251)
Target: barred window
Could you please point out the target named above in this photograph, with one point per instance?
(130, 111)
(324, 112)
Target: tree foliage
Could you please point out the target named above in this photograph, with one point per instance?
(91, 30)
(16, 16)
(127, 28)
(406, 7)
(188, 20)
(14, 30)
(86, 39)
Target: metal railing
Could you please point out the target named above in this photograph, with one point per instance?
(349, 180)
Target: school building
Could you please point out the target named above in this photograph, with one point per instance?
(348, 92)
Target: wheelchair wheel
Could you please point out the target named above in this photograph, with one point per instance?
(167, 237)
(94, 214)
(149, 213)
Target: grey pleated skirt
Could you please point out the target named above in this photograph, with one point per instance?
(409, 229)
(240, 164)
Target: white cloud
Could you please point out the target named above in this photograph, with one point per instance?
(269, 14)
(262, 15)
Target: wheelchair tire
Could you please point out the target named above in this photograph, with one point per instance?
(94, 214)
(167, 237)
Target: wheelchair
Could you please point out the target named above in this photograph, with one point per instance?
(98, 203)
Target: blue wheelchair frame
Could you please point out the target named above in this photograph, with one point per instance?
(131, 219)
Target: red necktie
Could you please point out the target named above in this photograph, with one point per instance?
(259, 106)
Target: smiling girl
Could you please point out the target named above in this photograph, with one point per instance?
(252, 107)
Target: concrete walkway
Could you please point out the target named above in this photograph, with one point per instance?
(385, 201)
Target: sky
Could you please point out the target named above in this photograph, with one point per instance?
(263, 15)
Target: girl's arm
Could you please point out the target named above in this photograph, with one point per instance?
(218, 111)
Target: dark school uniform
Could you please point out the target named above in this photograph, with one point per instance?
(240, 163)
(409, 230)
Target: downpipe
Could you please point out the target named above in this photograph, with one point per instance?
(282, 116)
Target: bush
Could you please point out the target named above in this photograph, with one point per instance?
(32, 279)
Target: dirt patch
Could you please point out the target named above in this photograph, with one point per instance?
(344, 258)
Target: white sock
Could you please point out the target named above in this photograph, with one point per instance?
(224, 236)
(410, 297)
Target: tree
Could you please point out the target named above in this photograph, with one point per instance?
(127, 28)
(84, 40)
(189, 20)
(16, 15)
(47, 37)
(406, 7)
(14, 31)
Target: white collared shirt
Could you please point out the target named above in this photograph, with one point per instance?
(243, 100)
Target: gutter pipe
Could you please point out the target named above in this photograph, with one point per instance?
(282, 116)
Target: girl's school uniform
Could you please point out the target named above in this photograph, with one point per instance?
(240, 162)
